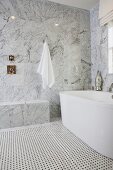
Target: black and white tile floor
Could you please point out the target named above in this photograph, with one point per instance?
(47, 147)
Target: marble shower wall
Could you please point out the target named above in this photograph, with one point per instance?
(69, 45)
(99, 49)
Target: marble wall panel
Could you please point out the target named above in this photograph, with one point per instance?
(23, 37)
(99, 49)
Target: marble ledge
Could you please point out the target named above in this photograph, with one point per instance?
(23, 114)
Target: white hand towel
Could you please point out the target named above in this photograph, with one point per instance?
(45, 68)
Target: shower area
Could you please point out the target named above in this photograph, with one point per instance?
(23, 101)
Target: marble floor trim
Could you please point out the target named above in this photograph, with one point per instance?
(48, 146)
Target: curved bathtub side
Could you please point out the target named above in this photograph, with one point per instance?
(90, 121)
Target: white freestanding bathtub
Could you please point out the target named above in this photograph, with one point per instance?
(89, 115)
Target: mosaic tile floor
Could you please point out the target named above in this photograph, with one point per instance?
(47, 147)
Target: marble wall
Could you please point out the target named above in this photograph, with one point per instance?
(99, 49)
(23, 37)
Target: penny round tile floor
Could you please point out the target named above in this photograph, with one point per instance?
(47, 147)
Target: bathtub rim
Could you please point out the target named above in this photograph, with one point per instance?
(110, 104)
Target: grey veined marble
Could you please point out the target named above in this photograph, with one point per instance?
(99, 49)
(23, 113)
(69, 45)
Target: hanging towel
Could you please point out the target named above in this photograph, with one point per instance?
(45, 68)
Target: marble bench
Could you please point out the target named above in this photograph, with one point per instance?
(16, 114)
